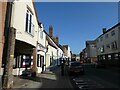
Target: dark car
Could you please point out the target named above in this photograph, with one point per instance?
(29, 72)
(98, 64)
(75, 68)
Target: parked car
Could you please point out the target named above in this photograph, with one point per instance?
(28, 72)
(98, 64)
(75, 67)
(94, 64)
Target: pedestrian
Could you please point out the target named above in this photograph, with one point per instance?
(62, 67)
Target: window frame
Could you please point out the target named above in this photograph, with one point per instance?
(29, 26)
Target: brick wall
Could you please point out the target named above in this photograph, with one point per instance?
(2, 23)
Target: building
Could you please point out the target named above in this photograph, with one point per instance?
(54, 52)
(91, 51)
(75, 57)
(26, 35)
(66, 53)
(83, 55)
(41, 49)
(108, 46)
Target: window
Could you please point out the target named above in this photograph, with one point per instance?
(112, 33)
(41, 34)
(97, 40)
(102, 49)
(103, 57)
(106, 35)
(40, 60)
(29, 25)
(108, 46)
(109, 57)
(114, 45)
(116, 56)
(101, 38)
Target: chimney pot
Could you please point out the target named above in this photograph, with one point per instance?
(104, 30)
(51, 31)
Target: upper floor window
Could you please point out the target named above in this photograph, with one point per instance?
(101, 38)
(112, 33)
(97, 40)
(29, 22)
(108, 46)
(106, 35)
(102, 49)
(41, 34)
(114, 45)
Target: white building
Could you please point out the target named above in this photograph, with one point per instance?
(54, 51)
(41, 49)
(24, 20)
(66, 53)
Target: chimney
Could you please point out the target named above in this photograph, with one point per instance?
(51, 31)
(57, 40)
(104, 30)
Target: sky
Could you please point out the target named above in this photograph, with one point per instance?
(76, 22)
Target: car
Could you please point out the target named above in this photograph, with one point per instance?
(94, 64)
(75, 68)
(28, 73)
(98, 64)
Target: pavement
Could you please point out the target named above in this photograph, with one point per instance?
(48, 79)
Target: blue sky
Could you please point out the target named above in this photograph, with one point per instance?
(76, 22)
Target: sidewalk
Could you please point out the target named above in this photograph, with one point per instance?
(48, 79)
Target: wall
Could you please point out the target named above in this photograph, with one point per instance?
(108, 40)
(19, 21)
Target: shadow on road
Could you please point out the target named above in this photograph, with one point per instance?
(51, 79)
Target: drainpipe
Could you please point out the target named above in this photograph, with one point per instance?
(8, 52)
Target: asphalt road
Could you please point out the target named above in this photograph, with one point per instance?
(101, 78)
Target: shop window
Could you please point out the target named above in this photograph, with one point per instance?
(109, 57)
(116, 56)
(26, 61)
(103, 57)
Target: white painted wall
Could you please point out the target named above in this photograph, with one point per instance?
(41, 40)
(69, 54)
(19, 21)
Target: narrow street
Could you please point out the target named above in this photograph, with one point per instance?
(51, 78)
(97, 78)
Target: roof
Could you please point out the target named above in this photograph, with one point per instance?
(90, 42)
(53, 41)
(109, 29)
